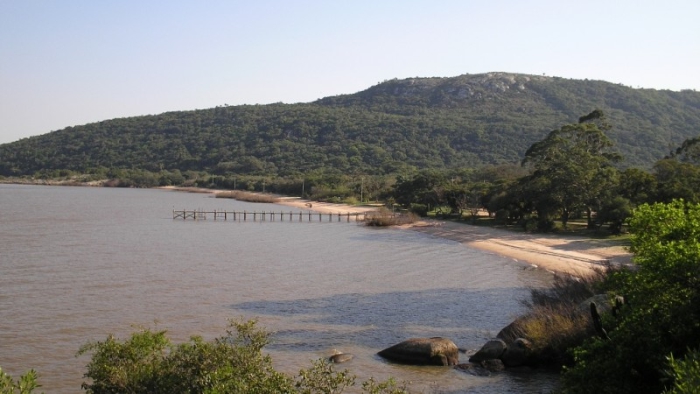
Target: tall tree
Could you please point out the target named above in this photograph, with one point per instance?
(678, 175)
(572, 166)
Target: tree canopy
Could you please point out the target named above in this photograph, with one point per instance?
(392, 128)
(572, 167)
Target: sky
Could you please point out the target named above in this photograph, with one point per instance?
(71, 62)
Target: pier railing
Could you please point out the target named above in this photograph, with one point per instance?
(244, 216)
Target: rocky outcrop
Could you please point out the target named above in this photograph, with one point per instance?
(496, 351)
(517, 353)
(512, 331)
(340, 358)
(492, 350)
(423, 351)
(585, 317)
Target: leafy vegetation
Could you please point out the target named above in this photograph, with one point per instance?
(572, 168)
(26, 384)
(392, 128)
(148, 362)
(662, 318)
(685, 373)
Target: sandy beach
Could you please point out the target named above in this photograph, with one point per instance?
(573, 255)
(557, 253)
(323, 207)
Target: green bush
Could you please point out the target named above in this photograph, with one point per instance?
(148, 362)
(663, 315)
(24, 385)
(685, 374)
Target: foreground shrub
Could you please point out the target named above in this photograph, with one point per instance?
(685, 374)
(149, 363)
(24, 385)
(663, 315)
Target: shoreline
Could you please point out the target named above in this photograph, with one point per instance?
(572, 255)
(577, 256)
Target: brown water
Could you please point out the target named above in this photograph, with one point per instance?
(79, 263)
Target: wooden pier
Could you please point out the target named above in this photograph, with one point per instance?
(244, 216)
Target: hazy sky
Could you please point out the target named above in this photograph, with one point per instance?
(70, 62)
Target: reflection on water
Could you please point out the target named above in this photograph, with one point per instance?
(79, 263)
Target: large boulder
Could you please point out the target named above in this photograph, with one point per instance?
(517, 354)
(423, 351)
(512, 331)
(493, 349)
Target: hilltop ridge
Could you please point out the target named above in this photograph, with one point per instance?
(394, 126)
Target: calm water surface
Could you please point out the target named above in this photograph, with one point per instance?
(79, 263)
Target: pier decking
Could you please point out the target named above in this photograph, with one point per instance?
(244, 216)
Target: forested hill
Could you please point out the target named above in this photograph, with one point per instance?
(397, 125)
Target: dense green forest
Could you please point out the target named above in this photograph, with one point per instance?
(395, 127)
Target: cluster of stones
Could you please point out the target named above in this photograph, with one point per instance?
(494, 356)
(505, 351)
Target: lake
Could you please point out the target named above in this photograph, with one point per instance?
(78, 263)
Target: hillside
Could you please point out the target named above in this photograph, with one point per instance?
(394, 126)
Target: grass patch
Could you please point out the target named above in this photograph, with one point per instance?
(248, 196)
(557, 320)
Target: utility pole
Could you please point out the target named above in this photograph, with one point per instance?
(362, 188)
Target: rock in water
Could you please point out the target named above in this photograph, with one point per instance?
(340, 358)
(517, 353)
(423, 351)
(491, 350)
